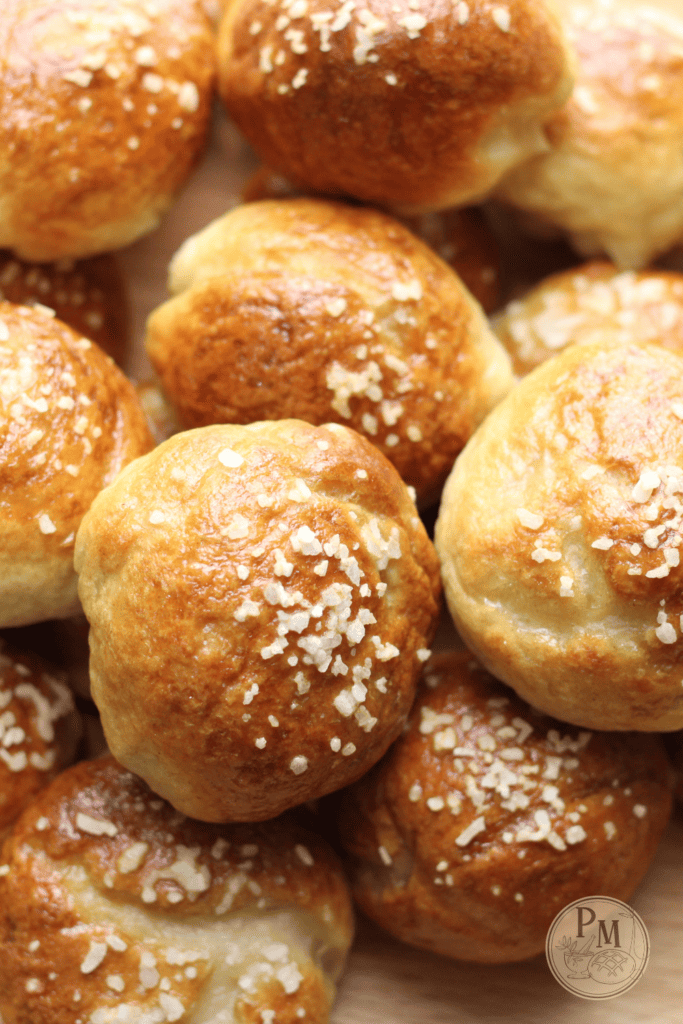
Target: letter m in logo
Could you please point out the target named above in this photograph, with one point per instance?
(611, 937)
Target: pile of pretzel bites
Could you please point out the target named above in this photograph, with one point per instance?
(372, 592)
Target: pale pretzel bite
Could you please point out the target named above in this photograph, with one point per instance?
(106, 105)
(414, 105)
(88, 295)
(116, 909)
(559, 535)
(613, 177)
(487, 817)
(320, 311)
(460, 236)
(69, 421)
(594, 302)
(39, 729)
(260, 599)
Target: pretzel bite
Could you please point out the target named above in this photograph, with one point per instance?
(613, 178)
(105, 110)
(69, 421)
(116, 908)
(411, 105)
(592, 303)
(260, 599)
(39, 729)
(461, 237)
(559, 534)
(319, 311)
(486, 818)
(88, 296)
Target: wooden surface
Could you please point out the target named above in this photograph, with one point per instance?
(387, 982)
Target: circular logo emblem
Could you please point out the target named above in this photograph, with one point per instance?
(597, 947)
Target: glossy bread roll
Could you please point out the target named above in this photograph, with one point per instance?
(105, 110)
(319, 311)
(69, 421)
(115, 909)
(39, 729)
(559, 535)
(613, 178)
(260, 600)
(410, 105)
(592, 303)
(486, 818)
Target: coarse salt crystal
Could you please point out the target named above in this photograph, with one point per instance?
(45, 524)
(304, 855)
(666, 633)
(336, 307)
(188, 97)
(472, 830)
(501, 16)
(95, 826)
(647, 483)
(575, 834)
(529, 519)
(78, 77)
(94, 957)
(231, 459)
(152, 83)
(145, 56)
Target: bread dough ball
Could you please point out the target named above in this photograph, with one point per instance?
(69, 421)
(486, 818)
(559, 536)
(105, 109)
(319, 311)
(114, 907)
(260, 599)
(413, 106)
